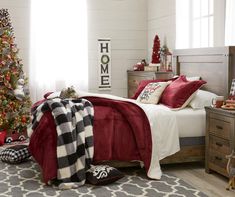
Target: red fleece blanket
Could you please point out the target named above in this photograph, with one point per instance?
(121, 132)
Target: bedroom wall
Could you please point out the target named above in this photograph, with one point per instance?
(125, 22)
(19, 11)
(161, 21)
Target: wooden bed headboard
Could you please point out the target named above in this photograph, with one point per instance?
(216, 65)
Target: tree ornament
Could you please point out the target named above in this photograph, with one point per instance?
(4, 102)
(19, 91)
(3, 63)
(7, 77)
(14, 49)
(7, 84)
(3, 114)
(23, 119)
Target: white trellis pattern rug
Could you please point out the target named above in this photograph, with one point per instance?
(25, 180)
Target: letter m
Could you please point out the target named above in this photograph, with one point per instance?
(104, 68)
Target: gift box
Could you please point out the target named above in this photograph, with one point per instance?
(3, 134)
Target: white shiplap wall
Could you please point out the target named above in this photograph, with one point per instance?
(19, 11)
(125, 22)
(161, 21)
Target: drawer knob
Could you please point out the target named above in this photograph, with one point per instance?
(218, 158)
(218, 144)
(219, 127)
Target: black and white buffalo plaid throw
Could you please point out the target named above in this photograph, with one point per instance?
(74, 125)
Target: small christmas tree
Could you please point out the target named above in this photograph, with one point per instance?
(14, 96)
(156, 51)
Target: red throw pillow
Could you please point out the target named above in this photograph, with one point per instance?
(144, 83)
(177, 94)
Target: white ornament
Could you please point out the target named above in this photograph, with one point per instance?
(19, 91)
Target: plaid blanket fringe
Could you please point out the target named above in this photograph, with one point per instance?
(74, 125)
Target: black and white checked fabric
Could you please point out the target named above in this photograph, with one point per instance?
(74, 125)
(15, 154)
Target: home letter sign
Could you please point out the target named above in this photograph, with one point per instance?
(104, 63)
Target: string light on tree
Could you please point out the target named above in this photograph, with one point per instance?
(14, 95)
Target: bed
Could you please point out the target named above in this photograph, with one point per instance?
(216, 66)
(194, 62)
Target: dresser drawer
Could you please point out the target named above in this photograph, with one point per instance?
(220, 139)
(219, 128)
(219, 145)
(164, 75)
(217, 162)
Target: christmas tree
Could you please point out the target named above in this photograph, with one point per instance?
(156, 51)
(14, 95)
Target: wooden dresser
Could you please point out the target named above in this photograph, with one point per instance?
(220, 138)
(134, 77)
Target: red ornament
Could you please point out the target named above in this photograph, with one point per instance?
(3, 114)
(7, 77)
(3, 62)
(23, 119)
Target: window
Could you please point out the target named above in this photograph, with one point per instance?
(230, 23)
(202, 23)
(59, 56)
(199, 23)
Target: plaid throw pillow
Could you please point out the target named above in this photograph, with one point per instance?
(15, 154)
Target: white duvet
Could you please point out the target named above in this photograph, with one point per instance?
(164, 131)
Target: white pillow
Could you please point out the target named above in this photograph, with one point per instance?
(152, 92)
(202, 98)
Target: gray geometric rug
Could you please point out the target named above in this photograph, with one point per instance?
(25, 180)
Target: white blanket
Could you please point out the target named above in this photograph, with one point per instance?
(164, 131)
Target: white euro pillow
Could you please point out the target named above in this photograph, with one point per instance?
(201, 99)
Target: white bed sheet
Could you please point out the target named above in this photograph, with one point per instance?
(191, 122)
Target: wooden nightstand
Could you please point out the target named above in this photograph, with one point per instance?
(220, 138)
(134, 77)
